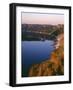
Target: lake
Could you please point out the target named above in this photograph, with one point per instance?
(34, 52)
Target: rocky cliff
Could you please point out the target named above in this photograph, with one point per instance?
(52, 66)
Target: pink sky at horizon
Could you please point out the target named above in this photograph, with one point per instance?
(37, 18)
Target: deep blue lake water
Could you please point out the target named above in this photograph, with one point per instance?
(35, 52)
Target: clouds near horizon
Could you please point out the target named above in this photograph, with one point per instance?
(39, 18)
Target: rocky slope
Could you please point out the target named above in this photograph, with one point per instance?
(52, 66)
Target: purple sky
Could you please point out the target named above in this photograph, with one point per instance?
(36, 18)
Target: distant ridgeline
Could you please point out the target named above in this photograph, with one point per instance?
(41, 32)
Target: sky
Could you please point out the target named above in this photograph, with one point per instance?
(41, 18)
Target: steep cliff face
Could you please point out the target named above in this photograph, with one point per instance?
(52, 66)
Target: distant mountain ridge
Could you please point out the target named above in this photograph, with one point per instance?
(37, 31)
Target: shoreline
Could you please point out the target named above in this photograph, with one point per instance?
(52, 66)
